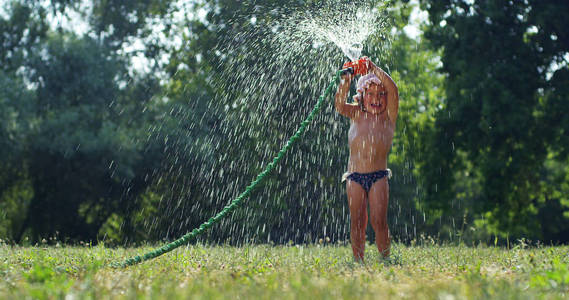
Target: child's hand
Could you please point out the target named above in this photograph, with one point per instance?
(344, 86)
(347, 76)
(345, 80)
(369, 66)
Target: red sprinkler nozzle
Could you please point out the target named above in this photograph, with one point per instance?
(359, 66)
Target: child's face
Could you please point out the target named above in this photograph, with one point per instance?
(375, 99)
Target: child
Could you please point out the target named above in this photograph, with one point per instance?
(372, 121)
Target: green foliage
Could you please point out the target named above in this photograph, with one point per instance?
(14, 203)
(81, 146)
(74, 125)
(15, 101)
(557, 277)
(121, 19)
(22, 30)
(421, 91)
(16, 105)
(498, 125)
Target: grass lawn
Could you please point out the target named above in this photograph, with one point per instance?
(287, 272)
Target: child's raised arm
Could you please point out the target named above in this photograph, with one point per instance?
(343, 108)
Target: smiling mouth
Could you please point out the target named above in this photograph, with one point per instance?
(375, 105)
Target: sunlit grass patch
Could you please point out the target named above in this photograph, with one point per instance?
(294, 271)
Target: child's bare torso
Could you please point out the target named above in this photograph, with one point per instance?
(369, 138)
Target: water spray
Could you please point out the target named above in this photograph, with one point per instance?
(308, 33)
(358, 67)
(237, 201)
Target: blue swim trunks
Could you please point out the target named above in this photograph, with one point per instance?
(366, 180)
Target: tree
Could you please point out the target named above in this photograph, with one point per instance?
(85, 160)
(500, 128)
(21, 35)
(77, 150)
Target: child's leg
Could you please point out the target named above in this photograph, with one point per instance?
(358, 218)
(378, 200)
